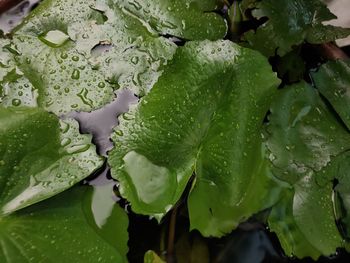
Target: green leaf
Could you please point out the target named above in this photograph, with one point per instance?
(204, 115)
(302, 133)
(304, 220)
(339, 169)
(40, 156)
(188, 19)
(333, 82)
(290, 23)
(291, 67)
(59, 229)
(106, 217)
(71, 55)
(152, 257)
(305, 142)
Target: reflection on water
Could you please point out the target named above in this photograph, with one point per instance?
(14, 16)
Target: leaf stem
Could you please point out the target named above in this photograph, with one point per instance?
(331, 51)
(171, 236)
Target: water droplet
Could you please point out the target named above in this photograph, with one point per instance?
(101, 85)
(78, 148)
(134, 60)
(83, 95)
(64, 55)
(65, 142)
(135, 4)
(119, 132)
(54, 38)
(76, 74)
(75, 58)
(16, 102)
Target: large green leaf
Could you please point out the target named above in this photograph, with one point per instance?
(70, 55)
(290, 23)
(204, 115)
(306, 144)
(303, 134)
(59, 230)
(333, 82)
(40, 156)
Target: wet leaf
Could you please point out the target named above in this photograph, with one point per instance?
(71, 55)
(203, 116)
(152, 257)
(106, 217)
(333, 82)
(339, 169)
(306, 142)
(303, 134)
(290, 23)
(40, 156)
(304, 220)
(58, 228)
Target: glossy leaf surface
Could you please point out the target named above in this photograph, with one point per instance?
(303, 134)
(333, 82)
(304, 221)
(40, 156)
(290, 23)
(306, 142)
(203, 116)
(58, 229)
(71, 55)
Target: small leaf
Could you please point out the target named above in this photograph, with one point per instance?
(339, 169)
(305, 223)
(290, 23)
(40, 156)
(58, 229)
(152, 257)
(333, 82)
(204, 115)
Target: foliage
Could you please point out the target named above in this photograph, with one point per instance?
(215, 128)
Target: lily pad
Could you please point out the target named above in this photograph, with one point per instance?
(71, 55)
(59, 228)
(203, 116)
(40, 156)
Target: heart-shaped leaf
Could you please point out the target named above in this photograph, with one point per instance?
(203, 116)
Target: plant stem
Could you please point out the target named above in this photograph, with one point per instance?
(171, 236)
(331, 51)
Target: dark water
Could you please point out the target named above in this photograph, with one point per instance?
(14, 16)
(250, 243)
